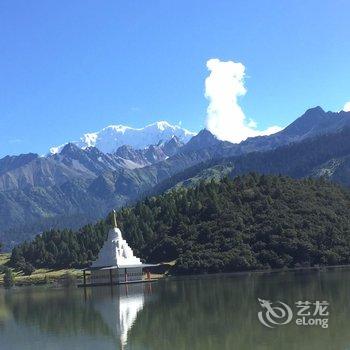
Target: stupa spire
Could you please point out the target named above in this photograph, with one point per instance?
(114, 219)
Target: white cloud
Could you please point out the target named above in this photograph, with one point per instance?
(346, 107)
(225, 117)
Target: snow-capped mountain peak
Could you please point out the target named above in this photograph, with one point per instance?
(110, 138)
(162, 125)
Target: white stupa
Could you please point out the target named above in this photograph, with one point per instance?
(116, 262)
(116, 251)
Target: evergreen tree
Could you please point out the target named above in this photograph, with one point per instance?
(27, 268)
(8, 278)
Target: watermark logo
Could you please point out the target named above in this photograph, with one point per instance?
(274, 314)
(307, 313)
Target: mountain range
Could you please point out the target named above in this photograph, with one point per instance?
(110, 138)
(81, 181)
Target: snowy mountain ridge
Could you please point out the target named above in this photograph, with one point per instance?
(110, 138)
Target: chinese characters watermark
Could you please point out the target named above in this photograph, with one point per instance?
(306, 313)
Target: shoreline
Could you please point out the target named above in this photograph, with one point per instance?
(261, 272)
(68, 277)
(50, 277)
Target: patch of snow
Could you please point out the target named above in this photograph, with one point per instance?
(57, 149)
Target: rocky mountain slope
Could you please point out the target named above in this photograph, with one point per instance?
(325, 156)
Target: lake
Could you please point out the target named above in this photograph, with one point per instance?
(204, 312)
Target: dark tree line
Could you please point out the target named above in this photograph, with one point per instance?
(61, 248)
(250, 222)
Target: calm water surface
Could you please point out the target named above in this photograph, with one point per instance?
(207, 312)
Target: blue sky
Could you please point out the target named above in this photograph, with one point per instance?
(69, 67)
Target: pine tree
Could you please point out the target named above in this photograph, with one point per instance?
(8, 278)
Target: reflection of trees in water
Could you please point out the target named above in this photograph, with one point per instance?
(221, 313)
(100, 311)
(59, 312)
(4, 311)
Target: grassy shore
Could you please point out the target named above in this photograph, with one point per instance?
(39, 276)
(52, 276)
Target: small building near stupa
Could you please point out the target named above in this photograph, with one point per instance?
(116, 262)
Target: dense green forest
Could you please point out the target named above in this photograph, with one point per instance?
(250, 222)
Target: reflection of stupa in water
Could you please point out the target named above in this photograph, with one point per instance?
(120, 307)
(129, 307)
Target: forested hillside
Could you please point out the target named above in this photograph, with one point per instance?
(251, 222)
